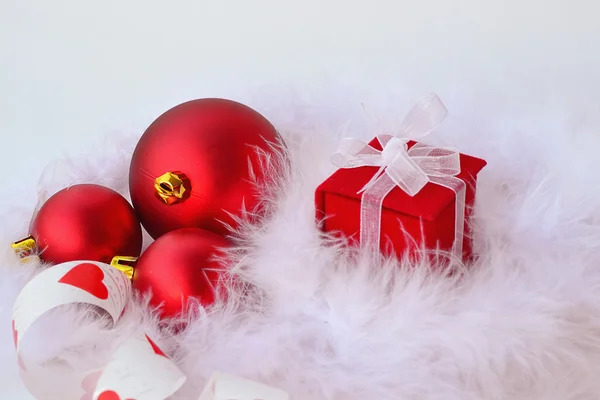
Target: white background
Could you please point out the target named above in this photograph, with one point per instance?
(73, 71)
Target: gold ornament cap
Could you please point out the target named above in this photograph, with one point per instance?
(125, 265)
(172, 187)
(25, 246)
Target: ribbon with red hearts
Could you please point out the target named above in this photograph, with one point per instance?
(138, 370)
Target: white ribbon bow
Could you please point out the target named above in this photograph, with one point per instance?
(409, 169)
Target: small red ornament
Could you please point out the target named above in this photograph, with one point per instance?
(195, 163)
(180, 265)
(84, 222)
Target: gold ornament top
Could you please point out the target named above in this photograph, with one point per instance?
(24, 246)
(172, 187)
(121, 263)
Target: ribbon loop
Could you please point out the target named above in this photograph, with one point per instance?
(436, 161)
(409, 169)
(354, 153)
(139, 369)
(423, 118)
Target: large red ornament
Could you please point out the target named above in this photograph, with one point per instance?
(195, 163)
(178, 266)
(85, 222)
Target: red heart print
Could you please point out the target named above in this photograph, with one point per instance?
(88, 277)
(110, 395)
(15, 334)
(156, 349)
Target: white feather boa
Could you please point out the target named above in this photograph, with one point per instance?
(524, 323)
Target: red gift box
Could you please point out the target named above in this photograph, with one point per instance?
(408, 223)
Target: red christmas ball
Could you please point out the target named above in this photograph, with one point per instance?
(178, 266)
(194, 166)
(86, 222)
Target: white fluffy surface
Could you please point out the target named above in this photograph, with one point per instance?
(523, 323)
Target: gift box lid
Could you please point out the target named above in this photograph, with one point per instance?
(426, 204)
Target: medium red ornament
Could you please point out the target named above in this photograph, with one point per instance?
(194, 165)
(178, 266)
(84, 222)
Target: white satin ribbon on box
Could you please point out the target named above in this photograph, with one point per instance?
(409, 169)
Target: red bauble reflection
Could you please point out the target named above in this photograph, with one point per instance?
(86, 222)
(203, 153)
(180, 265)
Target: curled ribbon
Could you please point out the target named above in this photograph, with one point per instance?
(138, 369)
(410, 169)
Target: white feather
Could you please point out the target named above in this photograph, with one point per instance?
(322, 323)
